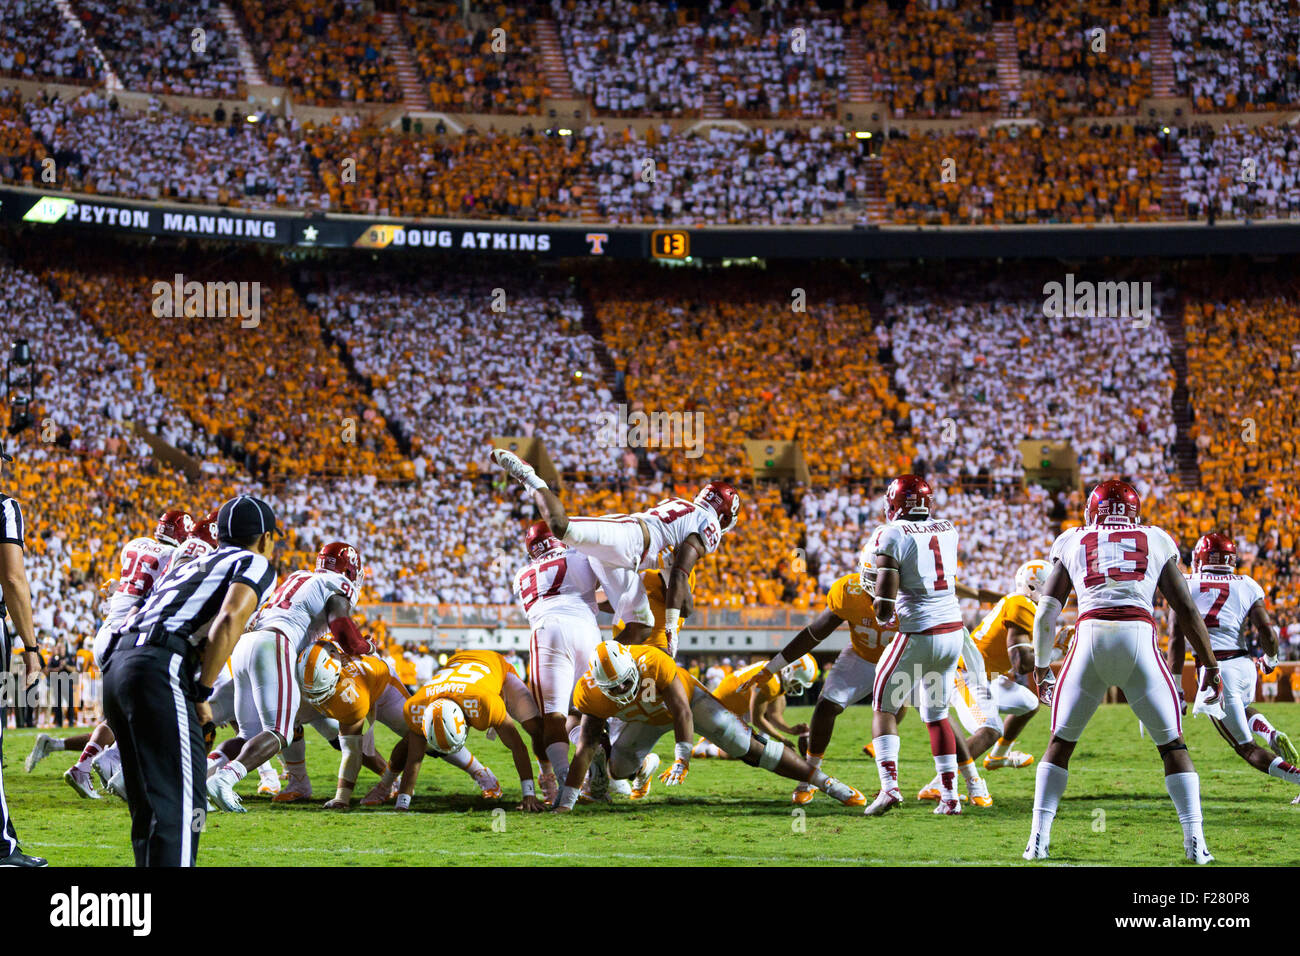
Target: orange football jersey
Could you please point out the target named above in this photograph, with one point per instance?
(849, 602)
(473, 679)
(991, 634)
(656, 589)
(361, 684)
(657, 672)
(736, 700)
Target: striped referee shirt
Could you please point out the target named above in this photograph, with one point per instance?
(183, 604)
(12, 531)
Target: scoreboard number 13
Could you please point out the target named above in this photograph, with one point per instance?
(670, 244)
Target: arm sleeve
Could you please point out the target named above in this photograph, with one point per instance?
(1049, 610)
(349, 638)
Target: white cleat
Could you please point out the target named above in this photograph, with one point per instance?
(40, 750)
(116, 785)
(487, 782)
(106, 767)
(79, 780)
(885, 801)
(221, 791)
(515, 467)
(269, 781)
(1013, 758)
(1196, 851)
(1037, 848)
(948, 808)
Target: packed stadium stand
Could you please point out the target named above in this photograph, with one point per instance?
(743, 122)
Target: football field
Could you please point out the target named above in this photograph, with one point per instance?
(1114, 812)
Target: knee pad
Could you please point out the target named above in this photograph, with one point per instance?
(771, 756)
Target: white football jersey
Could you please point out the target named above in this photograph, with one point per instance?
(560, 583)
(1224, 601)
(142, 564)
(926, 555)
(673, 520)
(297, 606)
(1114, 565)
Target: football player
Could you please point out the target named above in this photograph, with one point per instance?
(1228, 602)
(476, 689)
(648, 694)
(142, 562)
(762, 702)
(655, 582)
(915, 566)
(557, 591)
(359, 692)
(621, 545)
(267, 697)
(1115, 565)
(851, 676)
(987, 684)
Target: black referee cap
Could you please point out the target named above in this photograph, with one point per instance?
(244, 517)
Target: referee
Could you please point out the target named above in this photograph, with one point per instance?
(18, 603)
(158, 673)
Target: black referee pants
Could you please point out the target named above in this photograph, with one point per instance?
(164, 764)
(8, 838)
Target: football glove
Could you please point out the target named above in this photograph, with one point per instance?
(675, 774)
(209, 735)
(1046, 684)
(1268, 663)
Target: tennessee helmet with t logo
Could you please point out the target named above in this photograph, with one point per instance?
(319, 671)
(615, 672)
(1031, 578)
(444, 726)
(799, 676)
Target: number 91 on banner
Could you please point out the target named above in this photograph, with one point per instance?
(670, 244)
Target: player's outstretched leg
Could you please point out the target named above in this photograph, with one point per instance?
(819, 738)
(1002, 754)
(775, 756)
(1184, 787)
(1272, 738)
(548, 503)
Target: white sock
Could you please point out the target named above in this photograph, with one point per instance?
(297, 771)
(87, 756)
(266, 770)
(968, 772)
(1261, 728)
(815, 761)
(1001, 748)
(887, 760)
(1049, 786)
(475, 767)
(296, 752)
(558, 754)
(56, 743)
(1185, 790)
(945, 766)
(575, 735)
(235, 769)
(818, 779)
(1283, 771)
(387, 779)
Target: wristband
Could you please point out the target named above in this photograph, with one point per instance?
(568, 798)
(528, 788)
(682, 752)
(671, 616)
(204, 691)
(403, 801)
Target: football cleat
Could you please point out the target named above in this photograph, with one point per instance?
(79, 780)
(948, 808)
(106, 765)
(515, 466)
(869, 749)
(487, 782)
(1196, 852)
(1283, 747)
(803, 794)
(221, 791)
(979, 794)
(40, 750)
(644, 777)
(269, 784)
(379, 795)
(1013, 758)
(550, 787)
(931, 791)
(1037, 848)
(293, 791)
(885, 801)
(586, 795)
(620, 788)
(116, 785)
(849, 796)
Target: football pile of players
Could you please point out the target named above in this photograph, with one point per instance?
(593, 709)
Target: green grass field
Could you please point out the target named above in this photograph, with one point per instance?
(1115, 812)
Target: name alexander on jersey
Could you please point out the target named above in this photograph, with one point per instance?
(932, 527)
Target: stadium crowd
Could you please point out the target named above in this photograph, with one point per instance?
(1238, 56)
(1238, 172)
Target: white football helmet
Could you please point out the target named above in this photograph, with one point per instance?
(1031, 578)
(615, 672)
(799, 676)
(444, 726)
(867, 570)
(319, 670)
